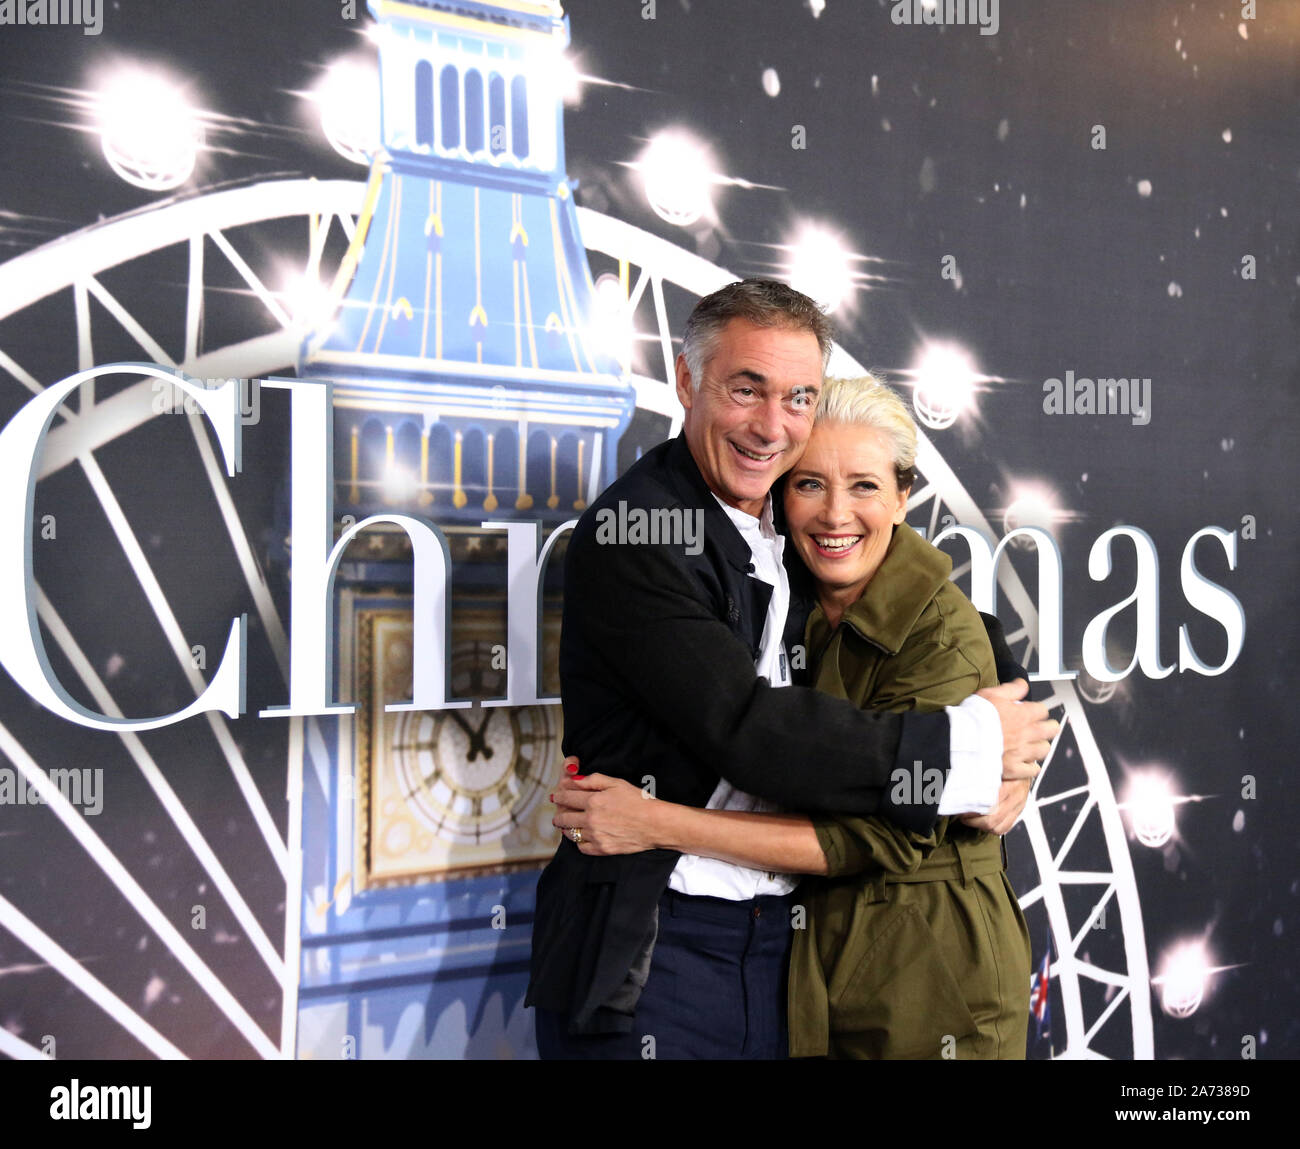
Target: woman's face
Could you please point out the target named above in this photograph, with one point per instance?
(842, 503)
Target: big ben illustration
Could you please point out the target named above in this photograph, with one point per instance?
(467, 389)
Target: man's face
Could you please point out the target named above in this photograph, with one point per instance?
(750, 419)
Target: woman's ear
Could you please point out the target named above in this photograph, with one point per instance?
(901, 513)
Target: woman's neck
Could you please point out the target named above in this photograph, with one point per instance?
(834, 601)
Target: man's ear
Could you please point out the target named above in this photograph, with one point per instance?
(685, 385)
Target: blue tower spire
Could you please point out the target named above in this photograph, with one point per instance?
(465, 376)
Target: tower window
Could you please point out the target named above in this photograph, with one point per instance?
(473, 111)
(449, 83)
(496, 113)
(424, 103)
(519, 116)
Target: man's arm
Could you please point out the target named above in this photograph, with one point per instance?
(646, 625)
(645, 620)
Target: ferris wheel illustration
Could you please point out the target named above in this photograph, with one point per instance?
(1081, 871)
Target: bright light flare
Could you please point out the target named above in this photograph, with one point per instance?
(399, 484)
(1149, 801)
(946, 380)
(150, 132)
(347, 97)
(679, 176)
(308, 301)
(613, 329)
(1185, 971)
(1031, 505)
(821, 266)
(569, 80)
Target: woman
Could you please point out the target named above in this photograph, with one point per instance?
(909, 946)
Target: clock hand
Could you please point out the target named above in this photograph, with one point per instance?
(476, 742)
(456, 718)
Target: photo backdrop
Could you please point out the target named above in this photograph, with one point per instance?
(431, 260)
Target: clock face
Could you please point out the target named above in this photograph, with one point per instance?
(448, 792)
(472, 775)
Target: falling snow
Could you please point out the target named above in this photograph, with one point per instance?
(771, 82)
(926, 178)
(1144, 188)
(1175, 291)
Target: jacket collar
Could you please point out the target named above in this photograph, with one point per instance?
(689, 485)
(909, 577)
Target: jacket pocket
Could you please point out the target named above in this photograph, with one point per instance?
(891, 994)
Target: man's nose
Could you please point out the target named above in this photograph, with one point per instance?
(769, 421)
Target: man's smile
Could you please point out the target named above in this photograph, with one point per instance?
(754, 455)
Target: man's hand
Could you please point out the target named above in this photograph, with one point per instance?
(1027, 732)
(1012, 797)
(614, 816)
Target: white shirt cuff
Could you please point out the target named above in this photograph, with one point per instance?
(974, 756)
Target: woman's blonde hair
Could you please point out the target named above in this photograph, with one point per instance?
(867, 402)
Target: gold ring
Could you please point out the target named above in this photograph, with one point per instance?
(575, 835)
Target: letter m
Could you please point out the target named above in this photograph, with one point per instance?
(1046, 615)
(68, 783)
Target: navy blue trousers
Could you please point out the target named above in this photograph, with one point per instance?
(716, 988)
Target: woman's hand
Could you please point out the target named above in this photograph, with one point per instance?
(612, 816)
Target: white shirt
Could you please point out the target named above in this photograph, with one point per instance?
(975, 736)
(708, 876)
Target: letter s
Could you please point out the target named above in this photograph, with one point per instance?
(1212, 600)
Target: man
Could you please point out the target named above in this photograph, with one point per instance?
(676, 676)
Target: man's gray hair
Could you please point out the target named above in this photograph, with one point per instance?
(763, 302)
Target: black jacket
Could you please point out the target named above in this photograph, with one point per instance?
(657, 678)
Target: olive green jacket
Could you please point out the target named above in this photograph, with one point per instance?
(913, 946)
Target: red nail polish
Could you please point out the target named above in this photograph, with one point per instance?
(571, 769)
(579, 777)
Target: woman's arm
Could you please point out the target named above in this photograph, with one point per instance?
(615, 817)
